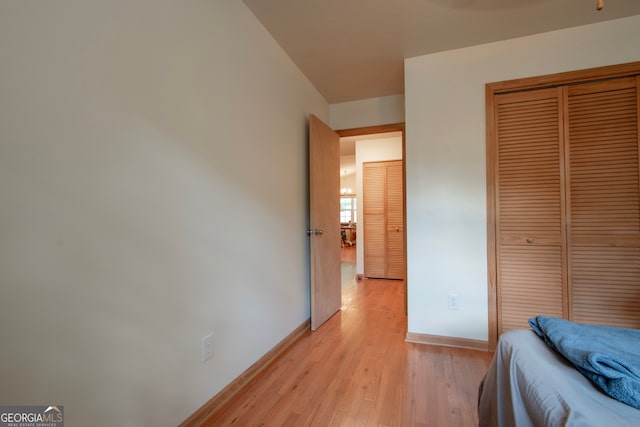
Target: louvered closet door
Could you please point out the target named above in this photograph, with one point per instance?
(374, 230)
(604, 232)
(529, 207)
(395, 221)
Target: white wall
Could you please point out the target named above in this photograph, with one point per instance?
(347, 163)
(373, 148)
(445, 164)
(153, 169)
(367, 112)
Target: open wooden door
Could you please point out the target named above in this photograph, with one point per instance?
(324, 221)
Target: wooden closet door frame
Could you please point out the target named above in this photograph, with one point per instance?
(524, 84)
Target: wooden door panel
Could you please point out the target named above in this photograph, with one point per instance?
(605, 285)
(395, 254)
(324, 215)
(530, 207)
(395, 220)
(603, 181)
(375, 243)
(395, 195)
(374, 220)
(531, 278)
(373, 183)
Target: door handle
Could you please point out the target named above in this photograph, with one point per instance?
(316, 231)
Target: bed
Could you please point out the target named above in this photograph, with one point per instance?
(530, 384)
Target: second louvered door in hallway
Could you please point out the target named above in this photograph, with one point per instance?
(383, 217)
(530, 207)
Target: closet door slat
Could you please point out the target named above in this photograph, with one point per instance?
(374, 230)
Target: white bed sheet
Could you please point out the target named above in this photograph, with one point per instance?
(528, 384)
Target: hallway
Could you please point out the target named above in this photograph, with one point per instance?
(357, 370)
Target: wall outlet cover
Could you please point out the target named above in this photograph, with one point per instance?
(453, 302)
(207, 347)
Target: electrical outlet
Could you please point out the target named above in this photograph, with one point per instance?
(207, 347)
(453, 302)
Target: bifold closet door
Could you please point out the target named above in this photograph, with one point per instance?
(374, 221)
(530, 208)
(604, 208)
(395, 220)
(383, 218)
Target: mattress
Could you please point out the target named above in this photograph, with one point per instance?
(529, 384)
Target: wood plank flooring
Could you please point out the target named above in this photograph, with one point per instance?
(357, 370)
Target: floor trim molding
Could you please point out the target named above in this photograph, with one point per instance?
(443, 341)
(226, 396)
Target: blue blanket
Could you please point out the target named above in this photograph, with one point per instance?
(608, 356)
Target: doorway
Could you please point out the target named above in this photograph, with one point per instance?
(357, 147)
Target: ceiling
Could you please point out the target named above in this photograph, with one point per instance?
(354, 49)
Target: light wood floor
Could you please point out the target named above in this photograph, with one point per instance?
(357, 370)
